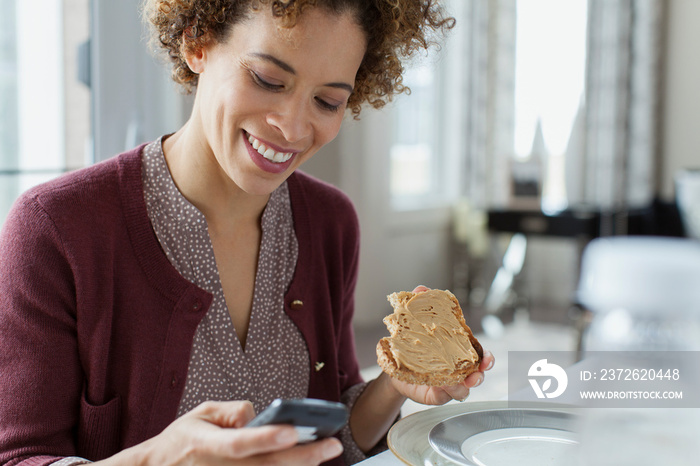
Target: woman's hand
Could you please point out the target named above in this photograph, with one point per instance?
(214, 434)
(440, 395)
(381, 401)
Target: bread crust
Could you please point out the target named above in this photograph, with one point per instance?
(387, 362)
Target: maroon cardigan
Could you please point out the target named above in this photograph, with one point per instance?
(96, 326)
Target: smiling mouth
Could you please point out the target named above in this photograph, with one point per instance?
(269, 153)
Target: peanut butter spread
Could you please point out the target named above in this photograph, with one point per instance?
(427, 336)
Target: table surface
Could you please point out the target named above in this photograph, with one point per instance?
(386, 458)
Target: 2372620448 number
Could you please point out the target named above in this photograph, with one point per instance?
(639, 374)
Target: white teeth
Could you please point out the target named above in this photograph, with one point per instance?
(268, 153)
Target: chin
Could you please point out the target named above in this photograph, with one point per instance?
(261, 187)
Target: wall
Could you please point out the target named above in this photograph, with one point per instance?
(681, 94)
(76, 94)
(147, 103)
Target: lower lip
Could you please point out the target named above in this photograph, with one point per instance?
(263, 163)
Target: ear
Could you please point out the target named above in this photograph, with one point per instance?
(195, 58)
(194, 49)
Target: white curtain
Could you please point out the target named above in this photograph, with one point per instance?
(622, 102)
(489, 81)
(613, 152)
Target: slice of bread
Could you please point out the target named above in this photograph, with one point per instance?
(430, 343)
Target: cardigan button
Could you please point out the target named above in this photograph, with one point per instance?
(297, 305)
(196, 306)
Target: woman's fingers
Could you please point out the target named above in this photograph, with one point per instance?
(487, 361)
(457, 392)
(246, 442)
(473, 380)
(460, 392)
(269, 445)
(216, 430)
(225, 413)
(312, 453)
(277, 449)
(437, 396)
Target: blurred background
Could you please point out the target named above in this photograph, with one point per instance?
(536, 127)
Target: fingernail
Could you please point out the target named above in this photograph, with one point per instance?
(333, 449)
(492, 361)
(478, 382)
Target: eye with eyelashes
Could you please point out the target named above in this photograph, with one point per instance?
(263, 83)
(260, 81)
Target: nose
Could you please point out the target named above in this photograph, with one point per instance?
(293, 119)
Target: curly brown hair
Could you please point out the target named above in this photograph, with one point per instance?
(395, 30)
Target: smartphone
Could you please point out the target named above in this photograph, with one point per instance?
(313, 419)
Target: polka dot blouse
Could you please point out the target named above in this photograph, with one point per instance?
(220, 369)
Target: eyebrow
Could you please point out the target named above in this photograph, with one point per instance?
(289, 69)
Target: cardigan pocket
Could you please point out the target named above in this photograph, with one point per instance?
(99, 429)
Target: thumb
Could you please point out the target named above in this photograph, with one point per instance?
(226, 413)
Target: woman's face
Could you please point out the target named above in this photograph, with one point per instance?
(269, 98)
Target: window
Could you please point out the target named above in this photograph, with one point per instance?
(8, 103)
(44, 110)
(549, 87)
(499, 83)
(426, 145)
(549, 74)
(413, 154)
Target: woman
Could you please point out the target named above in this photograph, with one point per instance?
(202, 266)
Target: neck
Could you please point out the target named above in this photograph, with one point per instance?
(202, 182)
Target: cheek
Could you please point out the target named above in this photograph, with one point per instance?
(229, 101)
(329, 129)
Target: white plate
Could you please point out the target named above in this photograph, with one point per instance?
(506, 436)
(409, 438)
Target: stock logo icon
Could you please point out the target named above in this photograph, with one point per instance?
(542, 370)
